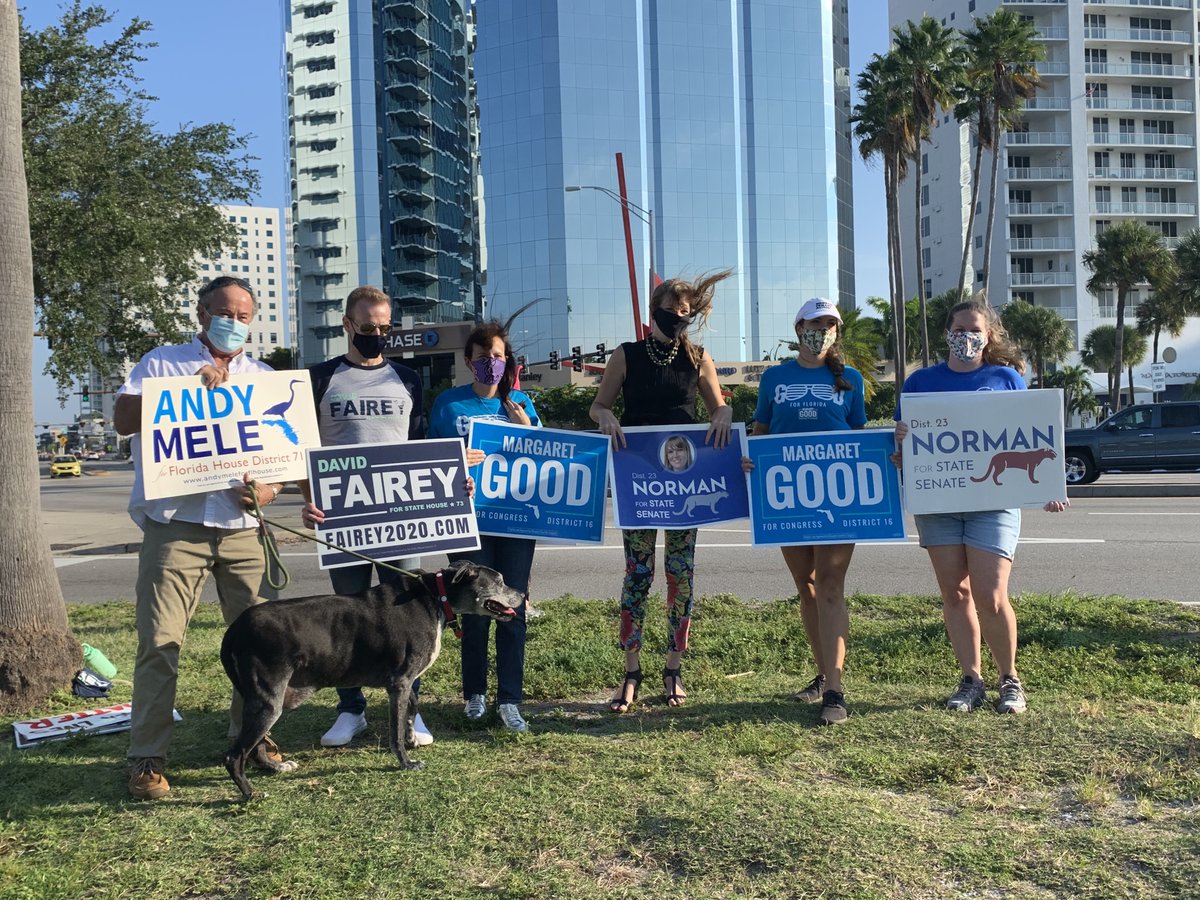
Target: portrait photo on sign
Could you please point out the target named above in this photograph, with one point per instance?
(678, 454)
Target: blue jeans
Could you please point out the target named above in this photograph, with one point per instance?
(355, 580)
(513, 559)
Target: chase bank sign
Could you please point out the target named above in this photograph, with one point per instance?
(417, 339)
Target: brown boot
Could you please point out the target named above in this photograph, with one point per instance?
(146, 779)
(271, 751)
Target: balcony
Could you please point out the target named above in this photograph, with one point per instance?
(1039, 173)
(1144, 209)
(1052, 67)
(1053, 33)
(1147, 104)
(1052, 138)
(1040, 279)
(1113, 138)
(1143, 174)
(1038, 103)
(1042, 208)
(1149, 70)
(1137, 34)
(1040, 243)
(1033, 2)
(1164, 4)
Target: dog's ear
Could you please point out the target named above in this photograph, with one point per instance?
(462, 569)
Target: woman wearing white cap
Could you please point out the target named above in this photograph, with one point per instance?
(817, 391)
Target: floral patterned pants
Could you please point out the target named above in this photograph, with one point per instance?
(639, 574)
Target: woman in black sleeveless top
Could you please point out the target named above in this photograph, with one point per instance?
(658, 379)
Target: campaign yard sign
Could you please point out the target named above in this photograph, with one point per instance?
(667, 477)
(389, 501)
(540, 482)
(824, 487)
(196, 440)
(977, 450)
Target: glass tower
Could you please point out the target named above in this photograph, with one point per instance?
(382, 186)
(732, 120)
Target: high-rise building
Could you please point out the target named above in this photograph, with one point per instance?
(732, 120)
(1110, 136)
(379, 117)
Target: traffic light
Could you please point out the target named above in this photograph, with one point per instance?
(600, 348)
(522, 362)
(577, 358)
(84, 395)
(554, 364)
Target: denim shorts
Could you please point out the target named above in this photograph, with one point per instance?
(993, 530)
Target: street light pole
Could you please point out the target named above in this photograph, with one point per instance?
(643, 214)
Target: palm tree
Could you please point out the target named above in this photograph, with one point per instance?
(1099, 353)
(1126, 254)
(887, 321)
(1001, 75)
(1164, 310)
(884, 129)
(936, 313)
(1044, 335)
(931, 62)
(33, 615)
(1187, 271)
(1078, 396)
(862, 337)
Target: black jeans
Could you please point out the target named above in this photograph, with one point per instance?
(512, 558)
(354, 580)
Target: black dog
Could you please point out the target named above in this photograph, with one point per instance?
(277, 654)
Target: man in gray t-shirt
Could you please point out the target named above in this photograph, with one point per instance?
(365, 398)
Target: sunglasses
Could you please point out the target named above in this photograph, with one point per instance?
(372, 328)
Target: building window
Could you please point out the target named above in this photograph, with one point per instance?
(978, 241)
(978, 275)
(243, 220)
(924, 226)
(924, 195)
(324, 64)
(321, 91)
(318, 9)
(318, 39)
(322, 146)
(926, 258)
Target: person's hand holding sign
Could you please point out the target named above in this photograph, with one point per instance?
(516, 412)
(213, 375)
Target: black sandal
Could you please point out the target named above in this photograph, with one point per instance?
(674, 698)
(619, 704)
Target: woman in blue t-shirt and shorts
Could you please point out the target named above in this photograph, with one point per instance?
(972, 552)
(817, 391)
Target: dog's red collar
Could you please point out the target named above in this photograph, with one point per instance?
(447, 609)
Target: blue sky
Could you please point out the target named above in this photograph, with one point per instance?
(219, 60)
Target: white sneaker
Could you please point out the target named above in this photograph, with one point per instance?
(421, 735)
(476, 707)
(344, 729)
(511, 717)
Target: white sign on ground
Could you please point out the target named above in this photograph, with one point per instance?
(983, 450)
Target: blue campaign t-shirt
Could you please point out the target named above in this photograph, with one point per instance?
(454, 409)
(794, 398)
(941, 377)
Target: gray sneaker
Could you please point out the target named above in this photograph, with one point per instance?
(476, 707)
(510, 715)
(970, 695)
(1012, 696)
(812, 691)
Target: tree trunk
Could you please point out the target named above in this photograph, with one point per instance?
(1129, 369)
(997, 148)
(38, 653)
(921, 268)
(1119, 346)
(976, 171)
(898, 322)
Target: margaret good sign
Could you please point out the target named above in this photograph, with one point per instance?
(667, 477)
(540, 482)
(828, 487)
(969, 451)
(388, 501)
(195, 439)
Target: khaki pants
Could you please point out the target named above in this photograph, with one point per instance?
(173, 565)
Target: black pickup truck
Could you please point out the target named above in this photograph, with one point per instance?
(1163, 436)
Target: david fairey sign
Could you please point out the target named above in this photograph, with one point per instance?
(827, 487)
(195, 439)
(667, 477)
(968, 451)
(388, 501)
(540, 482)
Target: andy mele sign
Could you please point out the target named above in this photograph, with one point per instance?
(196, 440)
(977, 450)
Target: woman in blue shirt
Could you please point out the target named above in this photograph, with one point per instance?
(817, 391)
(491, 395)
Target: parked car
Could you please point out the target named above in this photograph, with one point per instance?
(65, 465)
(1163, 436)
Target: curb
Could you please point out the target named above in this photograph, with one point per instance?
(1141, 490)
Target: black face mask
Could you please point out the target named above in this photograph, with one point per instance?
(369, 345)
(671, 323)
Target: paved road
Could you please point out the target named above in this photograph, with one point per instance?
(1135, 546)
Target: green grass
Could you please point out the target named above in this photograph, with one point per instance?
(1092, 793)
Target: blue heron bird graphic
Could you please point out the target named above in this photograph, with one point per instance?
(279, 411)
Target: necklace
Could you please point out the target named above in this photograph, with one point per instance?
(659, 356)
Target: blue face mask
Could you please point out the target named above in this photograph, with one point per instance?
(227, 335)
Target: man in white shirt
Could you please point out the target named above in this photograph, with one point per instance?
(184, 538)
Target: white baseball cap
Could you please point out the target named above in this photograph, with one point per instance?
(817, 307)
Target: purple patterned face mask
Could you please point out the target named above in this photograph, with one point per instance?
(488, 370)
(966, 345)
